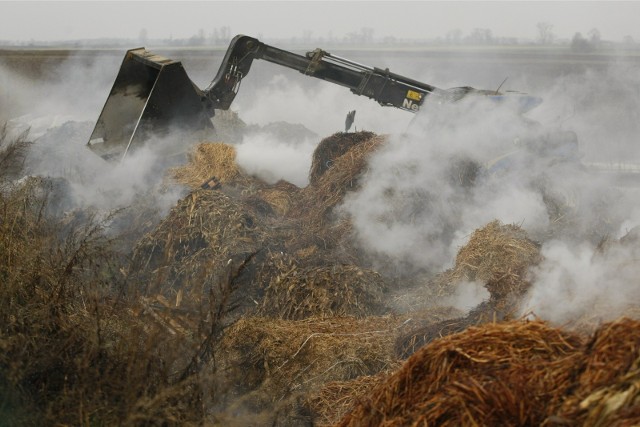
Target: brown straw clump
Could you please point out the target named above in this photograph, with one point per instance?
(497, 374)
(333, 400)
(300, 292)
(207, 160)
(194, 247)
(314, 208)
(328, 188)
(270, 360)
(279, 196)
(331, 148)
(500, 256)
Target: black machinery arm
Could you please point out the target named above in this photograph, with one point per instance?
(152, 94)
(387, 88)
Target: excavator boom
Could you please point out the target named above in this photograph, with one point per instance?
(388, 89)
(152, 94)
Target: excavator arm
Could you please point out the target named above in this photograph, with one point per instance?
(388, 89)
(152, 94)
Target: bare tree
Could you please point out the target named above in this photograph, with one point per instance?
(454, 36)
(594, 37)
(581, 44)
(545, 33)
(480, 36)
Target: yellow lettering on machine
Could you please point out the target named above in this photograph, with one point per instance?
(416, 96)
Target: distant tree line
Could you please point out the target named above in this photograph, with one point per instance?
(365, 36)
(581, 44)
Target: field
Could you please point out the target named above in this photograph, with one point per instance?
(466, 271)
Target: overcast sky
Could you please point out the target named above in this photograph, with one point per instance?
(54, 20)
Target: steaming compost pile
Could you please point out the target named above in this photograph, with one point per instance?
(512, 373)
(252, 303)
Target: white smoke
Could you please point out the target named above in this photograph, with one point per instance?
(413, 206)
(272, 159)
(96, 183)
(59, 110)
(413, 211)
(466, 296)
(75, 89)
(319, 106)
(576, 280)
(419, 201)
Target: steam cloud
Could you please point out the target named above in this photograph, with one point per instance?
(415, 209)
(425, 192)
(319, 106)
(59, 112)
(272, 159)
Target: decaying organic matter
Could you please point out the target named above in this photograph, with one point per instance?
(250, 304)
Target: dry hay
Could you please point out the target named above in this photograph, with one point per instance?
(299, 292)
(514, 373)
(189, 251)
(74, 351)
(195, 248)
(208, 160)
(313, 211)
(328, 189)
(497, 374)
(333, 400)
(270, 360)
(279, 196)
(331, 148)
(500, 256)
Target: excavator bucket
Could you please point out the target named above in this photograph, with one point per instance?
(150, 96)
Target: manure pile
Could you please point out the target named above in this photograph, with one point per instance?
(516, 373)
(300, 327)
